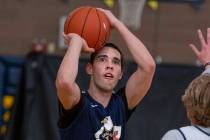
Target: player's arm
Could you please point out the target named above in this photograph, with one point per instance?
(140, 81)
(68, 91)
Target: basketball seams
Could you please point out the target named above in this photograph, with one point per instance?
(107, 33)
(83, 27)
(105, 37)
(99, 27)
(71, 17)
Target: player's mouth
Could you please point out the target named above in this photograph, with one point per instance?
(109, 76)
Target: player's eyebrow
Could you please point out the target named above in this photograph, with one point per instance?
(102, 56)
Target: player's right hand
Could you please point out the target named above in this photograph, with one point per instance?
(75, 38)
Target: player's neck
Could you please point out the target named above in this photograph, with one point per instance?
(100, 96)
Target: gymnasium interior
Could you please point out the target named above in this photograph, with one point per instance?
(32, 48)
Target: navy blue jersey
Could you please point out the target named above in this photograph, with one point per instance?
(89, 120)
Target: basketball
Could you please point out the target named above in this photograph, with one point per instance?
(91, 24)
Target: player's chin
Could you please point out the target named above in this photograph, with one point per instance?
(110, 87)
(107, 87)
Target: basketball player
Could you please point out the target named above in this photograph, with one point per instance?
(197, 99)
(100, 114)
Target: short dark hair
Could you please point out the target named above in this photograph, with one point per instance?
(111, 45)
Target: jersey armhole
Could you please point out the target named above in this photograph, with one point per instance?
(128, 111)
(180, 131)
(66, 117)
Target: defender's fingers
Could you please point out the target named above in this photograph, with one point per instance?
(202, 40)
(194, 49)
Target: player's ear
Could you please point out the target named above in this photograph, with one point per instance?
(89, 68)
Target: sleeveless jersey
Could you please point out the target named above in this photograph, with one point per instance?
(94, 122)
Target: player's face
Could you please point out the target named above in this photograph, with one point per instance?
(106, 69)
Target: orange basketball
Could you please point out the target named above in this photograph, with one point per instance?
(91, 24)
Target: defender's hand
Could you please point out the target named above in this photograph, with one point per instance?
(204, 54)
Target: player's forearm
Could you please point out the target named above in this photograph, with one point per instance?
(137, 49)
(69, 66)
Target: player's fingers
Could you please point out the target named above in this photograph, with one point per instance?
(100, 9)
(66, 41)
(65, 36)
(194, 49)
(91, 50)
(208, 36)
(202, 40)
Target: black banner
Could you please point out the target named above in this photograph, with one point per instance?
(162, 109)
(10, 71)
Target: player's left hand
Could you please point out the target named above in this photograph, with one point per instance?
(112, 19)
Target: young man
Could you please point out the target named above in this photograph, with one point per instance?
(197, 99)
(99, 114)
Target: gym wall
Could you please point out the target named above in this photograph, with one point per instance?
(166, 32)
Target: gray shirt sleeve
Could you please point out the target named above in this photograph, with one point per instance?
(172, 135)
(207, 71)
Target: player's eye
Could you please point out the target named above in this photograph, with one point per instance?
(116, 62)
(101, 59)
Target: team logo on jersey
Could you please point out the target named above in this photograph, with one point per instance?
(108, 131)
(94, 106)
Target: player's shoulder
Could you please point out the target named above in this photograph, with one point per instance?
(186, 127)
(172, 135)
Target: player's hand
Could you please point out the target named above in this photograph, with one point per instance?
(204, 54)
(112, 19)
(85, 47)
(72, 37)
